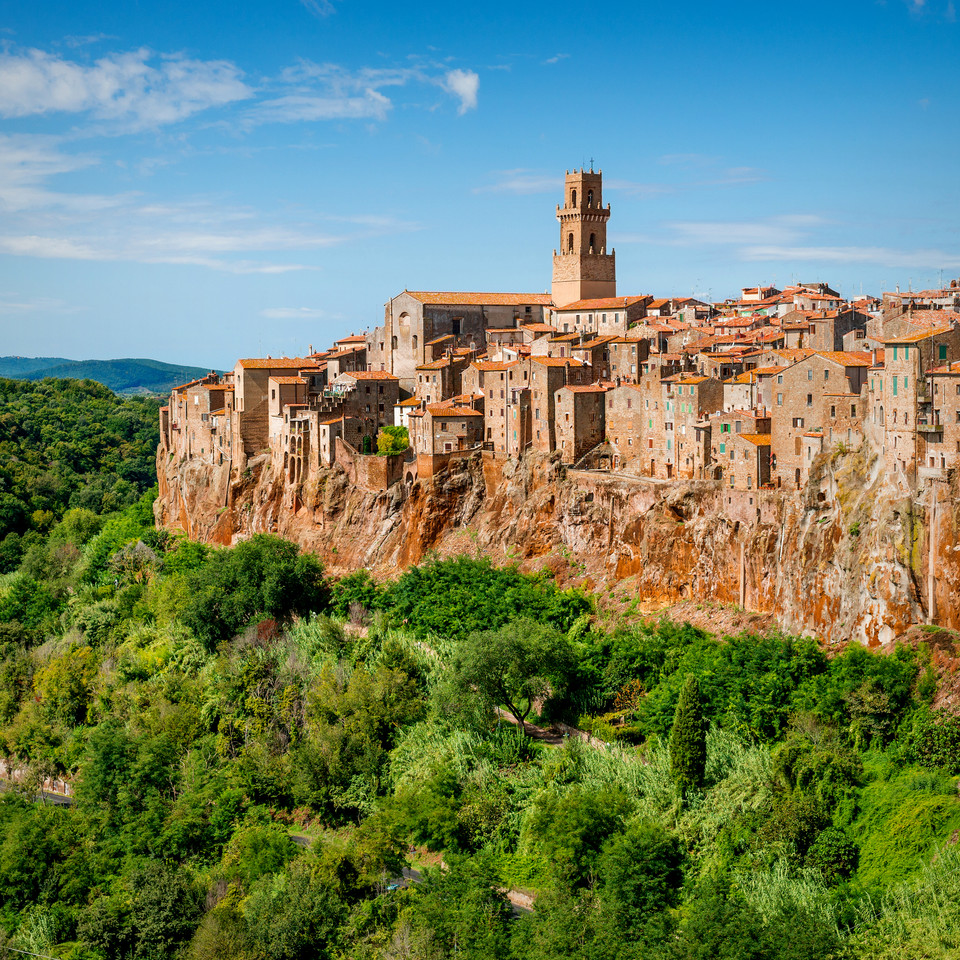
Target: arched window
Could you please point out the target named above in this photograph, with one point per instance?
(393, 343)
(881, 416)
(593, 242)
(573, 198)
(589, 198)
(414, 341)
(569, 243)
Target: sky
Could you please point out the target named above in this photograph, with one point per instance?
(200, 182)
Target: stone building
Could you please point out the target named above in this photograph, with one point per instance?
(625, 420)
(580, 422)
(607, 316)
(415, 318)
(904, 406)
(547, 376)
(583, 269)
(627, 356)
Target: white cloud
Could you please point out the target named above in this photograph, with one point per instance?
(881, 256)
(319, 8)
(135, 88)
(521, 181)
(302, 107)
(292, 313)
(556, 58)
(463, 84)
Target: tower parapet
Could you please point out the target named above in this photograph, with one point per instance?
(582, 268)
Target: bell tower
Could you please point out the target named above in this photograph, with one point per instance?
(582, 268)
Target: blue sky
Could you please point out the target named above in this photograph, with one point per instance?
(198, 182)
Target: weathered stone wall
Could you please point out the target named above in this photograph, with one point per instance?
(846, 558)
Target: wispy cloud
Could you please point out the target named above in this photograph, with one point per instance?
(137, 89)
(319, 8)
(556, 58)
(932, 259)
(464, 85)
(312, 91)
(521, 181)
(44, 223)
(292, 313)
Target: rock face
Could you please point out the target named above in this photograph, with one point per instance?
(846, 558)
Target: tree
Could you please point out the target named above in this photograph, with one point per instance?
(514, 665)
(392, 440)
(688, 739)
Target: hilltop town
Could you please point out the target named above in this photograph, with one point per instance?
(748, 392)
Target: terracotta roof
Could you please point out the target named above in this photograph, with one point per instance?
(218, 413)
(330, 423)
(480, 299)
(229, 387)
(369, 375)
(949, 368)
(446, 410)
(848, 358)
(538, 327)
(289, 380)
(435, 364)
(353, 338)
(494, 366)
(345, 352)
(276, 363)
(683, 379)
(917, 337)
(431, 343)
(757, 439)
(409, 402)
(603, 303)
(565, 337)
(816, 434)
(587, 388)
(558, 361)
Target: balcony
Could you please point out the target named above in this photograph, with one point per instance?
(924, 426)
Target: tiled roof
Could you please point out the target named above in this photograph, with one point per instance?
(276, 363)
(435, 364)
(593, 344)
(917, 337)
(297, 380)
(431, 343)
(447, 410)
(330, 423)
(229, 387)
(848, 358)
(345, 352)
(558, 361)
(494, 366)
(603, 303)
(757, 439)
(369, 375)
(565, 337)
(353, 338)
(455, 299)
(538, 327)
(683, 379)
(587, 388)
(409, 402)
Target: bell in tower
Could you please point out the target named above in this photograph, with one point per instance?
(582, 268)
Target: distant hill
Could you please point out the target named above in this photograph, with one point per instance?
(122, 376)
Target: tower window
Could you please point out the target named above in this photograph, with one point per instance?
(590, 198)
(593, 242)
(573, 198)
(569, 243)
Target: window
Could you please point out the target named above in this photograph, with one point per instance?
(942, 351)
(833, 412)
(737, 426)
(573, 200)
(589, 198)
(906, 383)
(853, 409)
(895, 385)
(809, 399)
(826, 374)
(570, 239)
(906, 353)
(779, 399)
(810, 373)
(779, 378)
(723, 448)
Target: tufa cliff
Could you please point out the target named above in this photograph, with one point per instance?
(846, 558)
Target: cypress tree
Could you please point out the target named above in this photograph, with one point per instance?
(688, 739)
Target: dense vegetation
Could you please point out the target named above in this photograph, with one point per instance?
(133, 376)
(257, 753)
(68, 444)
